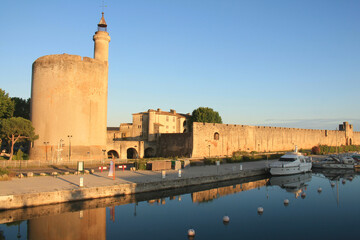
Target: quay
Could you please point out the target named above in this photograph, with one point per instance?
(44, 190)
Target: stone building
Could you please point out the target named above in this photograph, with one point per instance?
(69, 103)
(140, 138)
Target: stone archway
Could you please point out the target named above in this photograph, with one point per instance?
(113, 153)
(149, 152)
(132, 153)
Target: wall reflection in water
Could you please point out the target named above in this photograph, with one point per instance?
(86, 224)
(208, 195)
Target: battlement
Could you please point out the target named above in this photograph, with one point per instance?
(60, 58)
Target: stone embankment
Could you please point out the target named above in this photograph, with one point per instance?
(36, 191)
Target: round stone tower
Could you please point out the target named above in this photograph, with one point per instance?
(69, 104)
(101, 39)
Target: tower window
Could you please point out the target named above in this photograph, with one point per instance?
(216, 136)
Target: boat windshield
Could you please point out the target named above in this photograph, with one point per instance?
(287, 159)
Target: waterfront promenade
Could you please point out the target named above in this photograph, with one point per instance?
(39, 190)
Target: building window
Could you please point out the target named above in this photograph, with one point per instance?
(167, 127)
(326, 133)
(173, 119)
(139, 126)
(167, 118)
(141, 118)
(123, 135)
(173, 127)
(216, 136)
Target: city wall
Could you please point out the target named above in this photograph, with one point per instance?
(69, 98)
(175, 145)
(213, 139)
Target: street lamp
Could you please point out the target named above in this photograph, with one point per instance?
(46, 143)
(59, 150)
(104, 155)
(69, 136)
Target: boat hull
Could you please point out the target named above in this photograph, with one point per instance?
(333, 165)
(289, 170)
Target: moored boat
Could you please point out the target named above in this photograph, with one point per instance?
(336, 162)
(291, 163)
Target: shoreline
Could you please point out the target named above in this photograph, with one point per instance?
(37, 191)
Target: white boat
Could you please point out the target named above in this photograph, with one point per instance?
(291, 163)
(336, 162)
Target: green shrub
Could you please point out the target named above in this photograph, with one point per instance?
(212, 161)
(4, 171)
(315, 150)
(140, 164)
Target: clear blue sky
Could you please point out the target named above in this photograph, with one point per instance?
(281, 63)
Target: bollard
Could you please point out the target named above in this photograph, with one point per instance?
(179, 174)
(240, 167)
(163, 174)
(81, 182)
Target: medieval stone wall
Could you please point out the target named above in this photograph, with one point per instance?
(212, 139)
(175, 145)
(69, 97)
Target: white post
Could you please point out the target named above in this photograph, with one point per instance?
(81, 181)
(179, 174)
(240, 167)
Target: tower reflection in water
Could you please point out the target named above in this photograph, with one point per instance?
(86, 224)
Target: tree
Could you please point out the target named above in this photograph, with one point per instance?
(17, 129)
(206, 115)
(22, 107)
(7, 106)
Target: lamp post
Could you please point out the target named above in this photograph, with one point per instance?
(104, 155)
(59, 150)
(46, 144)
(209, 150)
(69, 136)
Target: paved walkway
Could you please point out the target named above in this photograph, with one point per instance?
(68, 182)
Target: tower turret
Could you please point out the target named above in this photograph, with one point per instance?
(101, 39)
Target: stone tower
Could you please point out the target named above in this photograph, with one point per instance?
(69, 103)
(101, 39)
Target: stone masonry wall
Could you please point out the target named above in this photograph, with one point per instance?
(69, 98)
(175, 144)
(233, 138)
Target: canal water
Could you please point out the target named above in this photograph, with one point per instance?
(333, 213)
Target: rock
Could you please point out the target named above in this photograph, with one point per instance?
(66, 173)
(86, 171)
(92, 171)
(30, 174)
(42, 174)
(133, 169)
(54, 173)
(20, 175)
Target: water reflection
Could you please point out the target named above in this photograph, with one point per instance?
(211, 194)
(172, 212)
(292, 183)
(85, 224)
